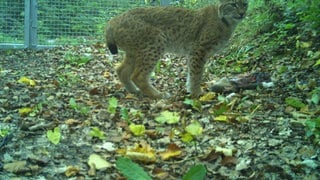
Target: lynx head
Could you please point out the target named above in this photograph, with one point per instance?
(233, 10)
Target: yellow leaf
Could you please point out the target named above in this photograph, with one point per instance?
(168, 117)
(305, 44)
(142, 152)
(97, 162)
(71, 171)
(172, 151)
(208, 96)
(106, 74)
(121, 151)
(194, 128)
(222, 118)
(27, 81)
(24, 111)
(137, 130)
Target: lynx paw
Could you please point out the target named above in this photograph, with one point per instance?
(160, 96)
(196, 94)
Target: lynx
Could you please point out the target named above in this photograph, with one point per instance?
(145, 34)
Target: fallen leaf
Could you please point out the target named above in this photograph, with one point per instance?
(15, 166)
(219, 109)
(168, 117)
(72, 122)
(95, 91)
(228, 161)
(208, 96)
(172, 151)
(27, 81)
(54, 135)
(71, 171)
(131, 170)
(25, 111)
(196, 172)
(294, 102)
(225, 151)
(141, 152)
(222, 118)
(212, 155)
(159, 173)
(194, 128)
(194, 103)
(97, 162)
(186, 137)
(96, 132)
(137, 130)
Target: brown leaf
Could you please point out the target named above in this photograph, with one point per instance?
(159, 173)
(95, 91)
(71, 171)
(228, 161)
(172, 151)
(213, 155)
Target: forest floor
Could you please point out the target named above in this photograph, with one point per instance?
(261, 133)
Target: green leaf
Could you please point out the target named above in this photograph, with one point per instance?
(313, 128)
(168, 117)
(197, 172)
(315, 98)
(84, 110)
(73, 104)
(186, 137)
(317, 63)
(113, 104)
(289, 26)
(294, 102)
(124, 114)
(131, 170)
(96, 132)
(137, 129)
(195, 104)
(220, 109)
(54, 135)
(4, 132)
(194, 128)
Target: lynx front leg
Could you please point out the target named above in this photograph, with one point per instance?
(195, 70)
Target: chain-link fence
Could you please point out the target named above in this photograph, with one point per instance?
(42, 23)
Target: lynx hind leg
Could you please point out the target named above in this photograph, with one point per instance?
(124, 72)
(144, 65)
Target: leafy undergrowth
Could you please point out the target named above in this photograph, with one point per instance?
(64, 114)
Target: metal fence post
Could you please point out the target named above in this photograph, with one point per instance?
(30, 24)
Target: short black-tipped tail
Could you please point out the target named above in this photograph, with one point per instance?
(113, 48)
(110, 41)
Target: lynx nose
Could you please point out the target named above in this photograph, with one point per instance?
(241, 15)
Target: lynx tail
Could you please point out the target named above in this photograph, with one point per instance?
(110, 42)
